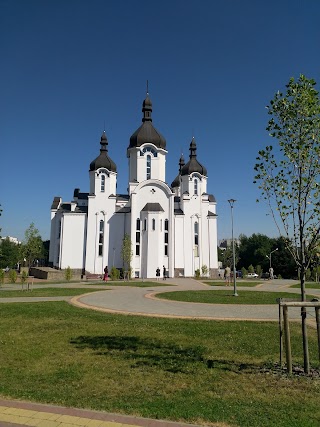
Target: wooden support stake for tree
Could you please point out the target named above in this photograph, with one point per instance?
(287, 339)
(318, 327)
(281, 333)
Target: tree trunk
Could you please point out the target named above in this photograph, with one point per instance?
(304, 322)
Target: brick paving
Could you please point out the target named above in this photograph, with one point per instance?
(18, 413)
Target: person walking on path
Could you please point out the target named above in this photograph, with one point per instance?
(164, 273)
(106, 272)
(227, 272)
(158, 273)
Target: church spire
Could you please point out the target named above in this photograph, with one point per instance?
(147, 107)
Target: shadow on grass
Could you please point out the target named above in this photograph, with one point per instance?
(143, 352)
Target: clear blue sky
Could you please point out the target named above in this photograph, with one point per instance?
(71, 67)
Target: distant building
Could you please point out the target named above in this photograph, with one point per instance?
(12, 239)
(227, 243)
(170, 226)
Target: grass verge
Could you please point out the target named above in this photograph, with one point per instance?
(309, 285)
(195, 371)
(47, 292)
(220, 283)
(226, 296)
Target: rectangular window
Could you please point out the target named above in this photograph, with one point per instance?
(138, 224)
(166, 250)
(138, 250)
(100, 250)
(166, 237)
(153, 224)
(138, 237)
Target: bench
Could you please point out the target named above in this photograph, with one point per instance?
(94, 277)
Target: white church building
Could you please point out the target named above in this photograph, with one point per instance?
(173, 226)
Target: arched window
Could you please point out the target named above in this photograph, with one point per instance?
(195, 186)
(153, 224)
(101, 232)
(196, 239)
(102, 183)
(166, 237)
(138, 237)
(148, 166)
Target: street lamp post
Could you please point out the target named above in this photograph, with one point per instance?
(235, 294)
(269, 256)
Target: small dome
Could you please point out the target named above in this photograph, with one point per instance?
(147, 132)
(103, 160)
(176, 182)
(193, 165)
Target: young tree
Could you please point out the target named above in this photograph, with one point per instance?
(126, 253)
(32, 247)
(289, 175)
(0, 215)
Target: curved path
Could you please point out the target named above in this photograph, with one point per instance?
(143, 301)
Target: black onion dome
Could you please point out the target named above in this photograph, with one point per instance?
(176, 182)
(147, 132)
(103, 160)
(193, 165)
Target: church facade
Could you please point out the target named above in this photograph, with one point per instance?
(169, 226)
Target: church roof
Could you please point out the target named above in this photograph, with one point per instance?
(193, 165)
(152, 207)
(147, 132)
(103, 160)
(176, 182)
(211, 198)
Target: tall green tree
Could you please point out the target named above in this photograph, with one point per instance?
(0, 215)
(126, 252)
(32, 246)
(10, 253)
(289, 175)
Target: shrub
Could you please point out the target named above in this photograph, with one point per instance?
(68, 274)
(13, 276)
(24, 276)
(204, 270)
(114, 273)
(197, 273)
(244, 272)
(1, 276)
(250, 269)
(259, 270)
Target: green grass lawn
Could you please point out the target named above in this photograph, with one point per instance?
(226, 296)
(46, 292)
(220, 283)
(195, 371)
(309, 285)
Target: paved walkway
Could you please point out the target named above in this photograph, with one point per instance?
(15, 413)
(144, 301)
(137, 301)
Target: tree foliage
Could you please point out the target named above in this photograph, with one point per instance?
(32, 246)
(289, 175)
(10, 253)
(126, 252)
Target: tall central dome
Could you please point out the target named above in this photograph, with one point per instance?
(147, 132)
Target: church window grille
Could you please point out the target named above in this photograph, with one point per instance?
(166, 237)
(138, 237)
(148, 166)
(103, 183)
(148, 150)
(195, 182)
(196, 239)
(101, 234)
